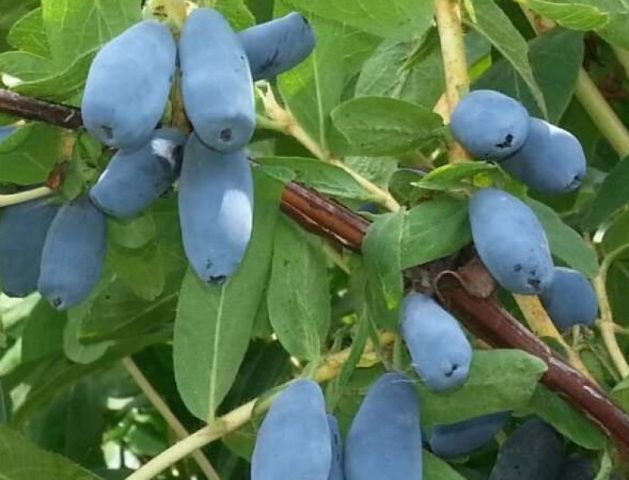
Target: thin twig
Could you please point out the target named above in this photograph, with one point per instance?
(541, 325)
(607, 326)
(448, 16)
(164, 410)
(21, 197)
(281, 119)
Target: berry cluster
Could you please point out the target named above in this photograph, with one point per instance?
(60, 250)
(298, 439)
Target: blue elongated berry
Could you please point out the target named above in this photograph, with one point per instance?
(438, 346)
(533, 451)
(551, 161)
(215, 209)
(134, 180)
(336, 469)
(490, 125)
(73, 254)
(23, 230)
(294, 439)
(216, 83)
(384, 440)
(128, 85)
(279, 45)
(462, 438)
(570, 299)
(510, 241)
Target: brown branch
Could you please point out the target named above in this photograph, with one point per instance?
(468, 291)
(34, 109)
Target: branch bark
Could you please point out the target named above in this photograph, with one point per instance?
(467, 291)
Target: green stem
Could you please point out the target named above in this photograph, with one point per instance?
(164, 410)
(15, 198)
(448, 17)
(608, 327)
(602, 114)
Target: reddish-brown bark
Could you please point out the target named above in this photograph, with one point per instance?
(467, 291)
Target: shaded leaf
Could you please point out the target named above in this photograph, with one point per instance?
(499, 380)
(612, 196)
(565, 243)
(556, 58)
(22, 460)
(382, 256)
(434, 229)
(298, 296)
(566, 419)
(384, 126)
(399, 19)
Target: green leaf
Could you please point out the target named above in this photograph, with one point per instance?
(576, 16)
(53, 427)
(74, 27)
(141, 270)
(382, 256)
(616, 237)
(61, 84)
(378, 170)
(298, 297)
(434, 229)
(384, 126)
(12, 11)
(56, 373)
(566, 419)
(612, 196)
(556, 74)
(28, 34)
(496, 26)
(214, 323)
(620, 393)
(459, 176)
(22, 67)
(116, 312)
(73, 348)
(336, 387)
(324, 177)
(313, 88)
(565, 243)
(236, 12)
(28, 155)
(399, 19)
(22, 460)
(436, 468)
(134, 233)
(499, 380)
(617, 281)
(411, 71)
(43, 332)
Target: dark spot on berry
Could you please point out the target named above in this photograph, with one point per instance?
(226, 135)
(108, 132)
(535, 283)
(507, 142)
(453, 369)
